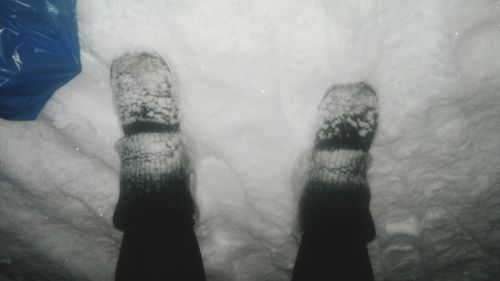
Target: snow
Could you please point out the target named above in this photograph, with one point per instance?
(251, 75)
(401, 222)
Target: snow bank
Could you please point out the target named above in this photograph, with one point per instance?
(251, 74)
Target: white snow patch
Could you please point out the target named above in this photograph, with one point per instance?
(402, 222)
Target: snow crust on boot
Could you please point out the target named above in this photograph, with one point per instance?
(144, 89)
(347, 117)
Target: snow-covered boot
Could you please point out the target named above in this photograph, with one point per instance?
(334, 206)
(155, 208)
(154, 165)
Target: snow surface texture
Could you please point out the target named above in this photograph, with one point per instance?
(251, 75)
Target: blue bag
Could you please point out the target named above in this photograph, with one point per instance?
(39, 53)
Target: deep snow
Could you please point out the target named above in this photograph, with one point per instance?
(251, 75)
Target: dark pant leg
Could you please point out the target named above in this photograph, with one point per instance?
(159, 242)
(336, 226)
(323, 255)
(160, 249)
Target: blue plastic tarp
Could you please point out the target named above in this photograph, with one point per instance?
(39, 52)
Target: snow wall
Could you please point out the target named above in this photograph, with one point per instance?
(251, 75)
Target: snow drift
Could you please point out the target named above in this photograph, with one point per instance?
(251, 75)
